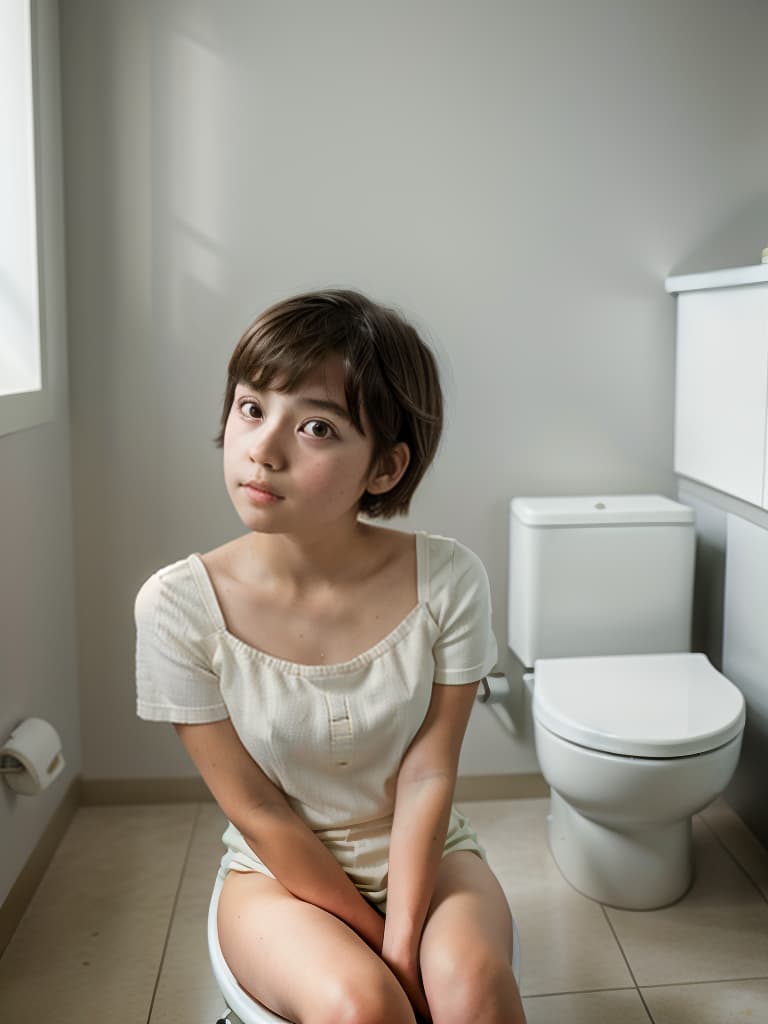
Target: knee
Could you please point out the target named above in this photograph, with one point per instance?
(472, 987)
(367, 997)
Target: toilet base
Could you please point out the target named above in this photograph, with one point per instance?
(642, 869)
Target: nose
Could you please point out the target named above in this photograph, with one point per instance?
(266, 447)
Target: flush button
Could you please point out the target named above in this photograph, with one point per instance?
(600, 504)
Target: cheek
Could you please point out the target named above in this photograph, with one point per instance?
(323, 476)
(230, 427)
(346, 479)
(229, 455)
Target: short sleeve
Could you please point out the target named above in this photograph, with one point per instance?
(174, 678)
(465, 649)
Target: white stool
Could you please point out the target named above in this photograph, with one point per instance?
(243, 1009)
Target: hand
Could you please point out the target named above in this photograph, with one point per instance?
(408, 974)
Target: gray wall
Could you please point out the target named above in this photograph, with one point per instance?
(518, 177)
(38, 671)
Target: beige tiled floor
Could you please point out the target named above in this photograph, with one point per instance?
(116, 931)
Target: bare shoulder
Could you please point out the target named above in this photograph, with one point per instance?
(394, 548)
(220, 562)
(387, 537)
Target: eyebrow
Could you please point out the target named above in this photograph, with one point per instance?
(327, 405)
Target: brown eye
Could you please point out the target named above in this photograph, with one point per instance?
(250, 404)
(318, 428)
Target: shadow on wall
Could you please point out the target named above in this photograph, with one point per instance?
(737, 240)
(746, 793)
(708, 598)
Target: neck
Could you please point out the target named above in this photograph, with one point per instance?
(329, 556)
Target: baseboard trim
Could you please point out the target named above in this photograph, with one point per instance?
(23, 889)
(143, 791)
(501, 787)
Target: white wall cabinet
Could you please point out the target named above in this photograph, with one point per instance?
(721, 387)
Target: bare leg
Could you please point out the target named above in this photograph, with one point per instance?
(302, 962)
(466, 947)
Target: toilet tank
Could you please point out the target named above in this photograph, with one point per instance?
(600, 575)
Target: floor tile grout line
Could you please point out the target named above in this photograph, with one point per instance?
(708, 981)
(580, 992)
(626, 961)
(734, 858)
(637, 987)
(172, 914)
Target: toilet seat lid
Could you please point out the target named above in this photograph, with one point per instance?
(646, 705)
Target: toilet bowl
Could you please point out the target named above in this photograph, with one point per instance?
(632, 746)
(634, 734)
(242, 1009)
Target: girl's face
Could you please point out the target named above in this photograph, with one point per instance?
(293, 462)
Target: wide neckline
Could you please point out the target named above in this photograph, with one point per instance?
(211, 601)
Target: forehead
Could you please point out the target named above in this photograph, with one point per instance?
(326, 378)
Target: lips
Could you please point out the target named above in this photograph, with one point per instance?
(256, 488)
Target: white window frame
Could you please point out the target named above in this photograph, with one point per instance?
(25, 409)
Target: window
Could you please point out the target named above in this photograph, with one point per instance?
(23, 391)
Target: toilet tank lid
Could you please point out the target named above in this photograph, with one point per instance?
(593, 510)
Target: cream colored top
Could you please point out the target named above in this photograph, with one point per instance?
(331, 737)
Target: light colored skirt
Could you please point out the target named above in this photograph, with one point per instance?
(362, 851)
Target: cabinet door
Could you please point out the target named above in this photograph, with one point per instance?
(722, 389)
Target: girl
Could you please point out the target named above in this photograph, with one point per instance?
(320, 672)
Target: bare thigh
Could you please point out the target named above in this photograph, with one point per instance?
(300, 961)
(466, 947)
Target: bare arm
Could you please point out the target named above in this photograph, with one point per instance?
(424, 793)
(289, 848)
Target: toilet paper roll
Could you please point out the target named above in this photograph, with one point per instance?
(34, 745)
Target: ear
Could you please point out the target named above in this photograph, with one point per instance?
(389, 469)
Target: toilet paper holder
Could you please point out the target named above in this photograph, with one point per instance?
(494, 688)
(31, 757)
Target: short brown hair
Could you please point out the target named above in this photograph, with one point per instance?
(389, 371)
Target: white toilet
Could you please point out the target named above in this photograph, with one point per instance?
(240, 1007)
(634, 734)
